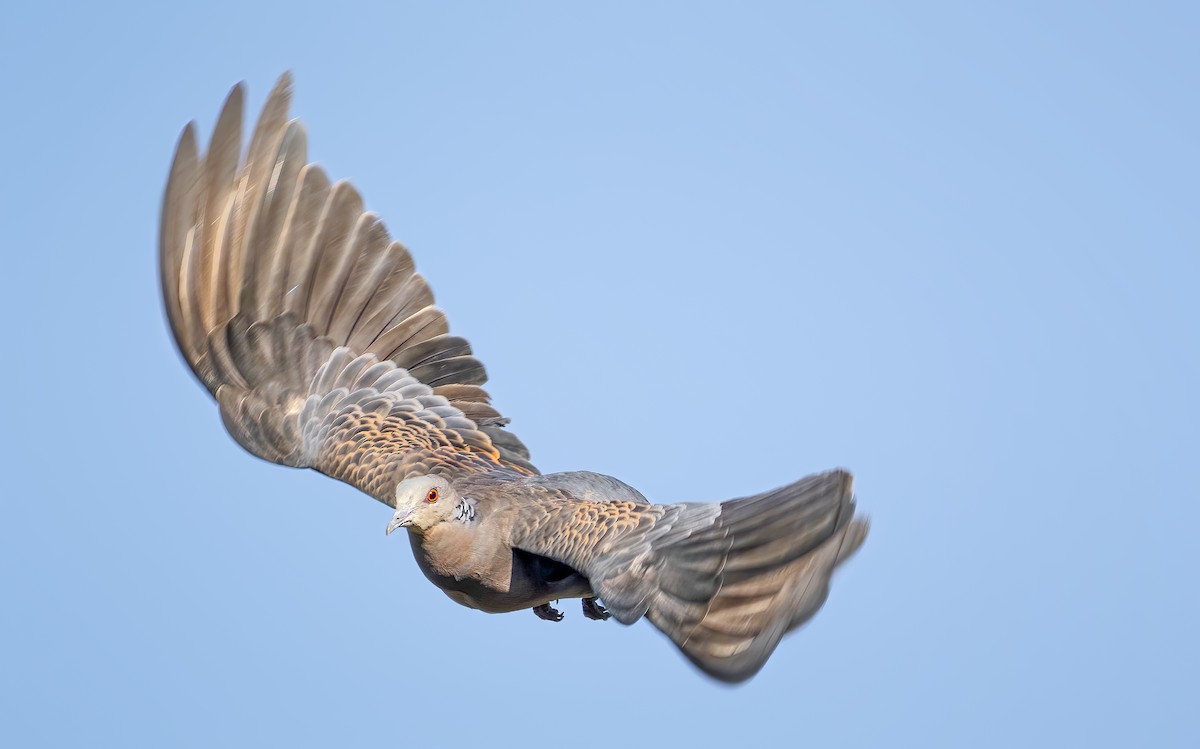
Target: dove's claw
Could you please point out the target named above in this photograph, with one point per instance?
(593, 609)
(548, 612)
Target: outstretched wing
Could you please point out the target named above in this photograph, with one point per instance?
(308, 324)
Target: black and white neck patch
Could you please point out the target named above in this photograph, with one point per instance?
(464, 512)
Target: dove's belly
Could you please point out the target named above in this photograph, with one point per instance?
(515, 581)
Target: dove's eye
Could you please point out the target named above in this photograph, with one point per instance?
(432, 495)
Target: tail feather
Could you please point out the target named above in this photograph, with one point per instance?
(728, 593)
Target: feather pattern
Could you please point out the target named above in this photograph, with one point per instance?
(308, 323)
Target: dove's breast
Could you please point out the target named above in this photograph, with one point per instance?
(493, 580)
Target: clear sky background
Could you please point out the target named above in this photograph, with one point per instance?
(952, 246)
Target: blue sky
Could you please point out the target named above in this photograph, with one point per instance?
(953, 247)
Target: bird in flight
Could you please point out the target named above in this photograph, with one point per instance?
(322, 346)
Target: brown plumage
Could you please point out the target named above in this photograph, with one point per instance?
(323, 348)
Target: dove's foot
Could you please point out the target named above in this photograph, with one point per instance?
(548, 612)
(593, 609)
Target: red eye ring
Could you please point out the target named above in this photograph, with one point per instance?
(432, 496)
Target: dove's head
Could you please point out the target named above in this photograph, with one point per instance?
(422, 502)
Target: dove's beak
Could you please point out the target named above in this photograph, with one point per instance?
(402, 519)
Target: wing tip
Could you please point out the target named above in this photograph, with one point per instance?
(188, 141)
(283, 84)
(234, 100)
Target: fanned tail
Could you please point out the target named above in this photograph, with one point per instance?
(726, 582)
